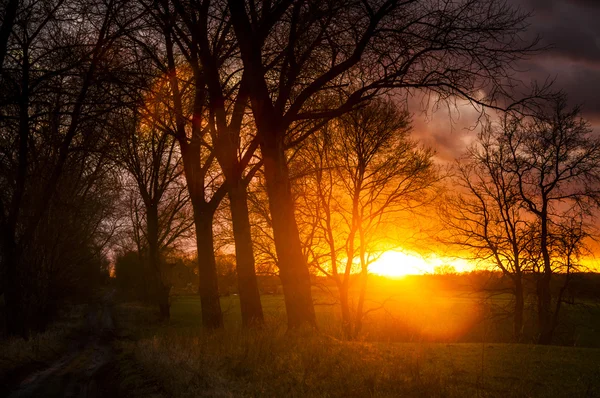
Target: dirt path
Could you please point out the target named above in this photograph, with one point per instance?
(78, 373)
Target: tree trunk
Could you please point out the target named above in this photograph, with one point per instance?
(161, 285)
(364, 276)
(14, 294)
(543, 286)
(251, 307)
(17, 320)
(208, 285)
(293, 269)
(345, 307)
(519, 308)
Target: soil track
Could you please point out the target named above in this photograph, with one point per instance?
(79, 373)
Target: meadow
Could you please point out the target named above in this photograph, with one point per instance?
(422, 343)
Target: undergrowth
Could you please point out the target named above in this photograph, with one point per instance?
(19, 356)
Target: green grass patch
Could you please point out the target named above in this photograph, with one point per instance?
(271, 362)
(414, 316)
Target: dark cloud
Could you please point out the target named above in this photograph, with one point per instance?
(570, 28)
(586, 3)
(446, 129)
(579, 80)
(571, 31)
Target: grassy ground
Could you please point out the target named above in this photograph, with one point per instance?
(416, 315)
(271, 362)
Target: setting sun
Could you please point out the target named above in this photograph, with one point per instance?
(399, 263)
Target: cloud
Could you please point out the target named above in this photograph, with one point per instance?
(447, 128)
(571, 30)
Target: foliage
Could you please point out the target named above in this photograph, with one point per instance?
(130, 275)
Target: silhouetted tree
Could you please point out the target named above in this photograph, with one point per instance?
(555, 161)
(363, 174)
(308, 61)
(204, 33)
(151, 158)
(58, 82)
(183, 99)
(484, 215)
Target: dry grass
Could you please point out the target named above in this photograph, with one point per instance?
(270, 362)
(19, 356)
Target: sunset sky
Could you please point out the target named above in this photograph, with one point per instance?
(571, 31)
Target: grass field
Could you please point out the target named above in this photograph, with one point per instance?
(416, 312)
(271, 362)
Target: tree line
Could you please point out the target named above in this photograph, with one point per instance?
(280, 124)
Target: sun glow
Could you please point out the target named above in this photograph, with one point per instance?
(400, 263)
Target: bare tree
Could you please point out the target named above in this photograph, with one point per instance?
(364, 176)
(67, 256)
(485, 218)
(556, 163)
(308, 61)
(206, 32)
(58, 81)
(151, 158)
(183, 98)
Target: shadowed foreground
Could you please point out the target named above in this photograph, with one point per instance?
(270, 362)
(78, 373)
(123, 350)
